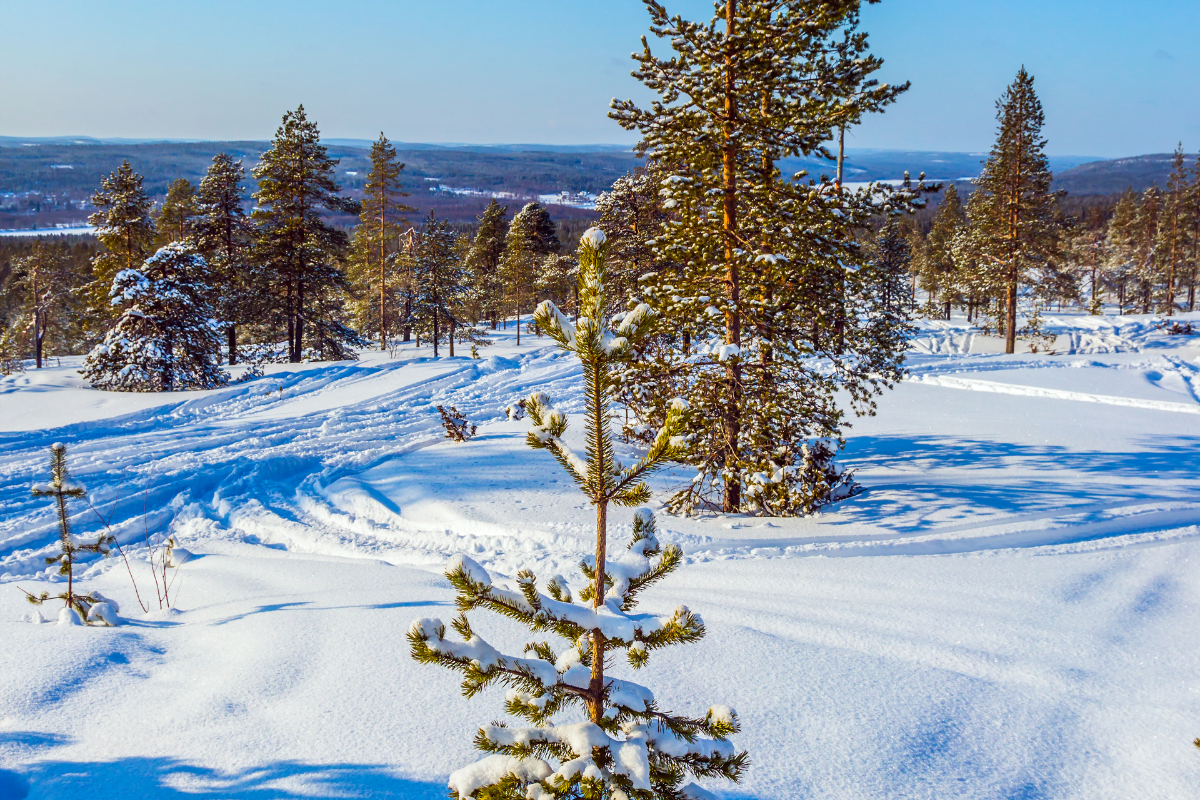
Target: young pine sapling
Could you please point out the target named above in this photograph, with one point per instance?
(627, 747)
(456, 425)
(92, 607)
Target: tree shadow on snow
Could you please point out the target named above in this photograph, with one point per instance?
(167, 778)
(1023, 479)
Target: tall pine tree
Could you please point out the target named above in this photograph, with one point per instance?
(773, 276)
(1014, 219)
(300, 251)
(440, 280)
(225, 238)
(375, 267)
(483, 259)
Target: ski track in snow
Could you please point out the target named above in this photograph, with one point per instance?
(303, 459)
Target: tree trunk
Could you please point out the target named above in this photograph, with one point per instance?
(435, 331)
(452, 337)
(39, 335)
(733, 323)
(231, 343)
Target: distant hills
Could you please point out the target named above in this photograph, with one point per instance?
(1117, 175)
(56, 175)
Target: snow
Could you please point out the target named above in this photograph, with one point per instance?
(1007, 611)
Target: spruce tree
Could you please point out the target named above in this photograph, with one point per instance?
(440, 280)
(125, 229)
(772, 279)
(627, 747)
(483, 260)
(165, 339)
(531, 236)
(174, 221)
(300, 251)
(376, 241)
(78, 608)
(1014, 219)
(225, 238)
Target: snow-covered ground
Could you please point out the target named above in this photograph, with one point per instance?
(1008, 611)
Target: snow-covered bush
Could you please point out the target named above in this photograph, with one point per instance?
(626, 747)
(797, 481)
(92, 607)
(166, 338)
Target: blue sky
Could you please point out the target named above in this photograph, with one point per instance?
(1116, 78)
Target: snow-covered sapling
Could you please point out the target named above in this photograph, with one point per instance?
(456, 425)
(92, 607)
(627, 746)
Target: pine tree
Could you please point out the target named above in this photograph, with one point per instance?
(890, 263)
(174, 221)
(377, 240)
(299, 250)
(124, 227)
(627, 747)
(1121, 245)
(43, 281)
(1173, 228)
(772, 278)
(440, 280)
(225, 238)
(631, 215)
(165, 339)
(1146, 252)
(939, 276)
(1014, 219)
(531, 236)
(483, 260)
(92, 607)
(1192, 251)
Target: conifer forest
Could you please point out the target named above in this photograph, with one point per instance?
(742, 462)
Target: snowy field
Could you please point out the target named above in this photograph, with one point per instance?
(1010, 610)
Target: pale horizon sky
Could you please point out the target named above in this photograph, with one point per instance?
(1115, 79)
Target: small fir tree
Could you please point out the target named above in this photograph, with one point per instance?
(165, 339)
(125, 229)
(224, 237)
(627, 747)
(91, 607)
